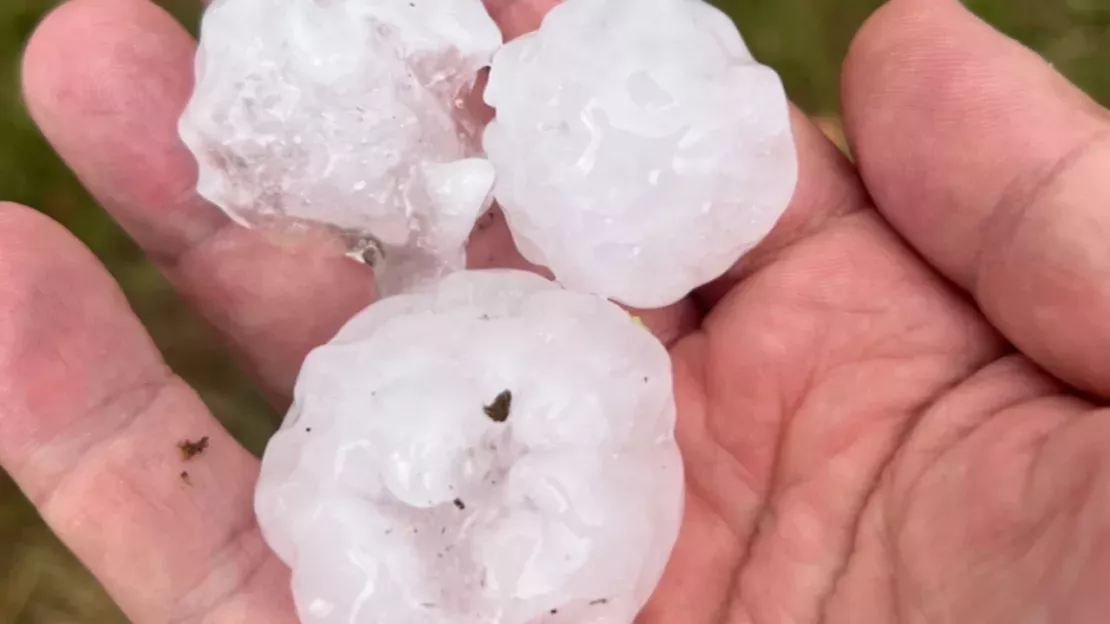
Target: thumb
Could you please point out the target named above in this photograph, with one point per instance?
(994, 167)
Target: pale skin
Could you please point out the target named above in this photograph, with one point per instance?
(891, 411)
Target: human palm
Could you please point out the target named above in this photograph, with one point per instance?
(889, 411)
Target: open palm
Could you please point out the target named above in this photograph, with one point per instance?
(890, 411)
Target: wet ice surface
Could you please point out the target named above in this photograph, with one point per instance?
(490, 449)
(639, 148)
(349, 115)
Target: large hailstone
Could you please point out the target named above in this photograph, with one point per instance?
(346, 113)
(488, 449)
(639, 148)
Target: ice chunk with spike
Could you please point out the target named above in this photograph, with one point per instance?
(640, 150)
(349, 114)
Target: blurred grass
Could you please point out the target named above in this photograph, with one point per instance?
(40, 582)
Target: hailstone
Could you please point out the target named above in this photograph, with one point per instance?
(349, 114)
(640, 150)
(485, 449)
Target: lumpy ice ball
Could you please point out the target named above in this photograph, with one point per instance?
(488, 449)
(346, 113)
(640, 150)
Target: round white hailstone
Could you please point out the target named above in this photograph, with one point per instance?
(346, 113)
(639, 149)
(487, 449)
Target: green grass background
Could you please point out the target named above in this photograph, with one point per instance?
(40, 582)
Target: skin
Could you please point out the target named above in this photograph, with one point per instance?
(892, 411)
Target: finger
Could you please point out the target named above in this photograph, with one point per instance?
(993, 166)
(106, 81)
(90, 420)
(518, 17)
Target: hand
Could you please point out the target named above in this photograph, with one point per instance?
(890, 411)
